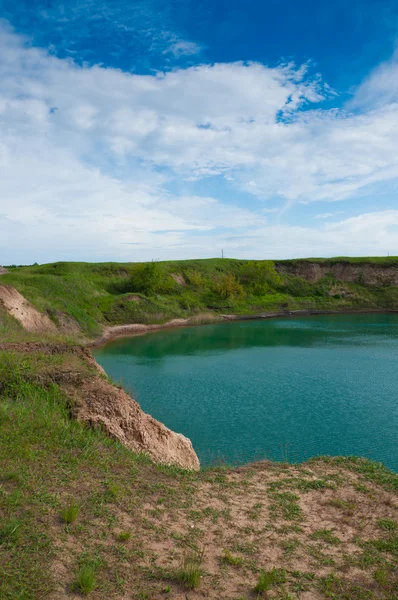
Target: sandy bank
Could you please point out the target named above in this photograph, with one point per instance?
(130, 330)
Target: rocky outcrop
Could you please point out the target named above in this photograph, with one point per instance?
(371, 274)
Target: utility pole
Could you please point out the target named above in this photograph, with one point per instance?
(222, 253)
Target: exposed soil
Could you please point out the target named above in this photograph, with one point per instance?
(19, 308)
(99, 403)
(364, 273)
(179, 278)
(237, 524)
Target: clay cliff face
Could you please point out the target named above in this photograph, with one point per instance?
(365, 273)
(19, 308)
(100, 403)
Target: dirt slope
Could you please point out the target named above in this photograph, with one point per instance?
(97, 402)
(101, 404)
(18, 307)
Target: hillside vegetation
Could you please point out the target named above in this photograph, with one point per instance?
(94, 295)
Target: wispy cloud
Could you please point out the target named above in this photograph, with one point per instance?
(135, 35)
(327, 215)
(380, 87)
(182, 48)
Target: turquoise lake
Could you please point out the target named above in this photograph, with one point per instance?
(282, 389)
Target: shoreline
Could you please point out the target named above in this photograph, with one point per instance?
(114, 332)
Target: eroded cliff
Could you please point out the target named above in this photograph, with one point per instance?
(372, 274)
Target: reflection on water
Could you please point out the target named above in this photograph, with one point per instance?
(281, 389)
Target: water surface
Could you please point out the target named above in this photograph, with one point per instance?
(283, 389)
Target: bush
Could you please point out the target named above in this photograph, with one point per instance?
(195, 278)
(229, 287)
(260, 277)
(150, 280)
(146, 279)
(190, 572)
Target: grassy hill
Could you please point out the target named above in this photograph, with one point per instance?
(118, 293)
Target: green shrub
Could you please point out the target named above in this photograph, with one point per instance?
(195, 278)
(229, 287)
(230, 559)
(146, 279)
(124, 536)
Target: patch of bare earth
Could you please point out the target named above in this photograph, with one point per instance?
(134, 298)
(238, 524)
(19, 308)
(103, 405)
(179, 278)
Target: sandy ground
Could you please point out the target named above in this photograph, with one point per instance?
(19, 308)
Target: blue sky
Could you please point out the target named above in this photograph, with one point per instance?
(152, 129)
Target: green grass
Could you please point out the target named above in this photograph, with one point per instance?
(85, 580)
(70, 512)
(387, 524)
(124, 536)
(269, 579)
(327, 536)
(190, 571)
(285, 505)
(93, 295)
(230, 559)
(370, 470)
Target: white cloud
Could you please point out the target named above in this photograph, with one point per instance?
(324, 216)
(182, 48)
(88, 156)
(328, 215)
(380, 87)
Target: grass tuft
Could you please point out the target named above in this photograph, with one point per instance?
(229, 559)
(268, 579)
(327, 536)
(85, 580)
(9, 530)
(124, 536)
(387, 524)
(190, 571)
(70, 512)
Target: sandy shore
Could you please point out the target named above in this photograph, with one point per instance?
(118, 331)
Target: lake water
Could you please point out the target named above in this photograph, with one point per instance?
(282, 389)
